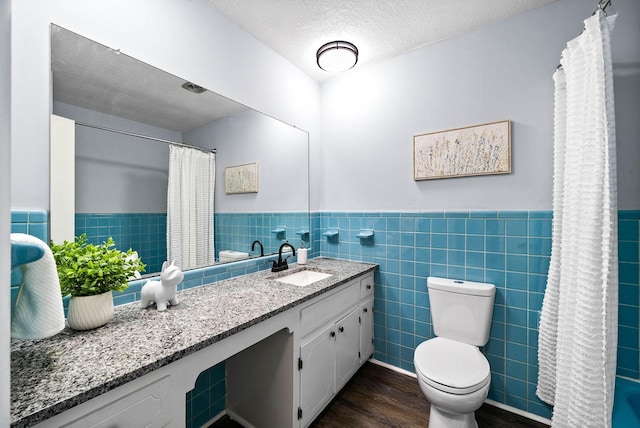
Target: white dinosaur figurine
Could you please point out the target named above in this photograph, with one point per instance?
(162, 292)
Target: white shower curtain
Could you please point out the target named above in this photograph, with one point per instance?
(190, 240)
(578, 326)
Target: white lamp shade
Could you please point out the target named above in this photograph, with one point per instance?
(337, 56)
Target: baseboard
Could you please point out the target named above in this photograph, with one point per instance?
(394, 368)
(490, 402)
(214, 419)
(519, 412)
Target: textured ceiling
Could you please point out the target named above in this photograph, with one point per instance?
(89, 75)
(379, 28)
(93, 76)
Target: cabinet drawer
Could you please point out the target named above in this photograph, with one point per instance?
(366, 286)
(328, 308)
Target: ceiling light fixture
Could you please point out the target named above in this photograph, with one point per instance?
(337, 56)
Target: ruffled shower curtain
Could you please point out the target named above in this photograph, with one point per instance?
(190, 231)
(578, 325)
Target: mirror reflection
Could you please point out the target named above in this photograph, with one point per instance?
(126, 114)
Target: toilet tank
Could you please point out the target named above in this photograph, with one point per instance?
(461, 310)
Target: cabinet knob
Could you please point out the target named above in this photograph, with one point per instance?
(332, 334)
(366, 310)
(341, 329)
(368, 286)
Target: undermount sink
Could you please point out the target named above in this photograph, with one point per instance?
(303, 277)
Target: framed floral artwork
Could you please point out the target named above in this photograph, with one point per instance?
(473, 150)
(241, 179)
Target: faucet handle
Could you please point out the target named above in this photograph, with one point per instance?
(279, 265)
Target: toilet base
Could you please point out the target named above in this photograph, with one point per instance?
(441, 419)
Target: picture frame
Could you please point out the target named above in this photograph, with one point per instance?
(241, 179)
(461, 152)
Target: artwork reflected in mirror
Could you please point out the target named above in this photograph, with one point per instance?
(126, 112)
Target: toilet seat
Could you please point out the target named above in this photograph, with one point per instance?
(450, 366)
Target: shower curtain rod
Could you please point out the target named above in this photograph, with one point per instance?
(602, 5)
(131, 134)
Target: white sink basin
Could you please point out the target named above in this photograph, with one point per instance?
(303, 277)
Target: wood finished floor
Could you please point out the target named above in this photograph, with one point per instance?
(380, 397)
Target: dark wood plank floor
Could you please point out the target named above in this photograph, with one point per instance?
(380, 397)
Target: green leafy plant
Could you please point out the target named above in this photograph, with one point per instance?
(86, 269)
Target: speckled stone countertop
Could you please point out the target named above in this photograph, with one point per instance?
(52, 375)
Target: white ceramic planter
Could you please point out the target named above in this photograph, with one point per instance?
(87, 312)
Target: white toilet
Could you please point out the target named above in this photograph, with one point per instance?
(452, 372)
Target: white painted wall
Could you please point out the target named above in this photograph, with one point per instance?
(280, 150)
(117, 173)
(504, 71)
(187, 38)
(5, 212)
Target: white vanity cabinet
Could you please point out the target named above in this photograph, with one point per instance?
(366, 330)
(327, 362)
(366, 317)
(317, 374)
(336, 341)
(145, 402)
(281, 370)
(347, 347)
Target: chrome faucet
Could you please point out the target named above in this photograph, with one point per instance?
(261, 247)
(279, 265)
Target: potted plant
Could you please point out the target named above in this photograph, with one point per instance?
(89, 273)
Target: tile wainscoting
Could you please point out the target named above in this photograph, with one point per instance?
(510, 249)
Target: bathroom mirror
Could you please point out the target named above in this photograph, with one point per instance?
(121, 178)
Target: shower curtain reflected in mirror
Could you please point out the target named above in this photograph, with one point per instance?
(190, 196)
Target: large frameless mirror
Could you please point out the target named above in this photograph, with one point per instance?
(125, 113)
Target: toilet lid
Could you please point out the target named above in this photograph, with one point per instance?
(451, 366)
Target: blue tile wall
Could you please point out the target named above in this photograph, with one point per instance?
(629, 300)
(32, 222)
(236, 231)
(207, 398)
(145, 233)
(510, 249)
(198, 277)
(35, 223)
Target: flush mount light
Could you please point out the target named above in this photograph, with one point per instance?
(337, 56)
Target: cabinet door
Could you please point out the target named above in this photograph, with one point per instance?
(146, 407)
(366, 330)
(317, 376)
(347, 347)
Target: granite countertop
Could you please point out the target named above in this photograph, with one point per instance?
(52, 375)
